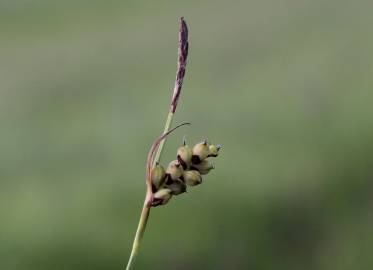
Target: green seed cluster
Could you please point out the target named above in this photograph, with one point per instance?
(186, 170)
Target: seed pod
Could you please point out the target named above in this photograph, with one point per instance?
(204, 167)
(200, 152)
(161, 197)
(177, 187)
(184, 156)
(192, 178)
(158, 176)
(174, 170)
(214, 150)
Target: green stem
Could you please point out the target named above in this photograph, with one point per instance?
(157, 157)
(146, 208)
(139, 234)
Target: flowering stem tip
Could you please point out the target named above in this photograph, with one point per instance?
(163, 183)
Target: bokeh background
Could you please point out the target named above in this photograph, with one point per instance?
(285, 86)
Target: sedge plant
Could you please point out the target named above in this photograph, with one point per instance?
(188, 167)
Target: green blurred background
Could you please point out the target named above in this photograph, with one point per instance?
(285, 86)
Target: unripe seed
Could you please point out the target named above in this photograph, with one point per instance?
(174, 170)
(158, 176)
(214, 150)
(204, 167)
(161, 197)
(184, 156)
(162, 193)
(200, 152)
(177, 187)
(192, 178)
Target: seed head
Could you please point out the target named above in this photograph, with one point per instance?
(200, 152)
(184, 156)
(186, 170)
(204, 167)
(158, 176)
(214, 150)
(174, 170)
(192, 178)
(161, 197)
(177, 187)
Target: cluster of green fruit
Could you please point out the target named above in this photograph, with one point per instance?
(186, 170)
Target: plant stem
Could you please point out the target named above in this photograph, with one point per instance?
(139, 234)
(180, 73)
(147, 202)
(157, 157)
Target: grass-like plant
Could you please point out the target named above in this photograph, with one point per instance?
(186, 170)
